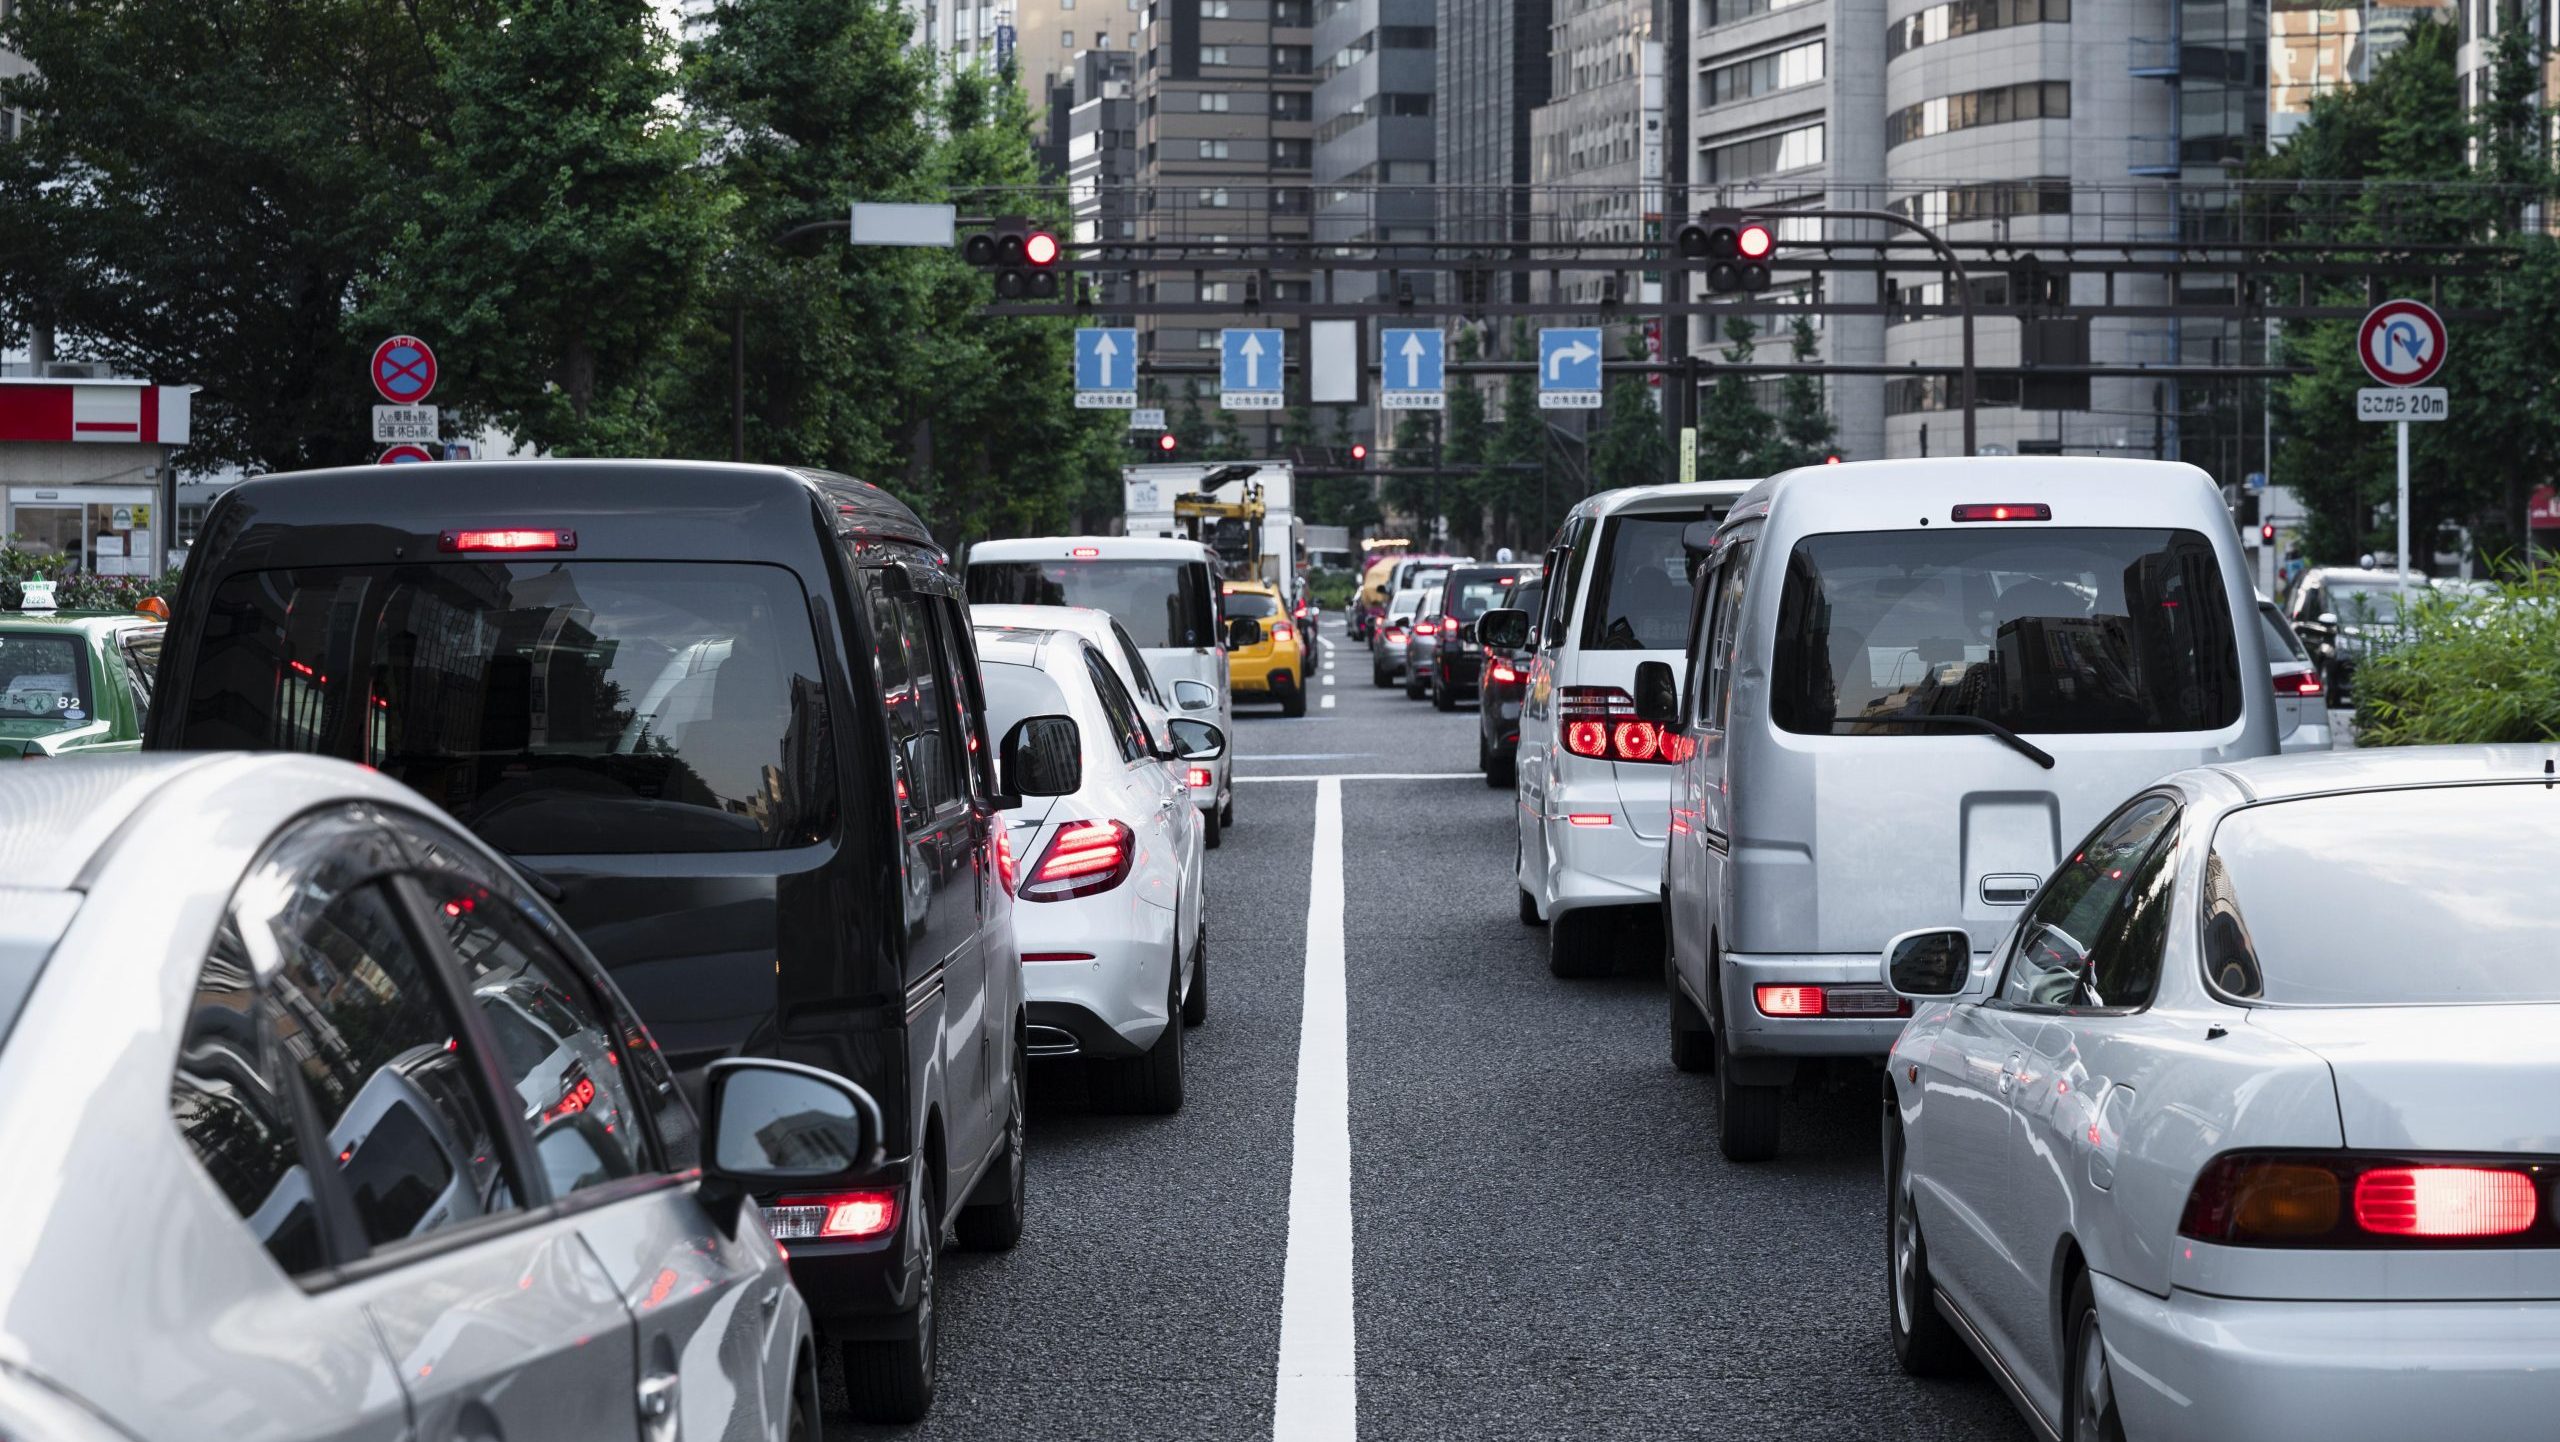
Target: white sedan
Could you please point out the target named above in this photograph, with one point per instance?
(1115, 947)
(2248, 1127)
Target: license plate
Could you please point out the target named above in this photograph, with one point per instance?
(1874, 1001)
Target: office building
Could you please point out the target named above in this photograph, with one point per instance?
(1490, 76)
(1589, 159)
(1099, 149)
(1042, 37)
(2316, 47)
(1374, 155)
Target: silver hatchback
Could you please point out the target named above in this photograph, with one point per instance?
(316, 1106)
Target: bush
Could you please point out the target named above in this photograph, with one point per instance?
(1331, 588)
(2472, 669)
(74, 590)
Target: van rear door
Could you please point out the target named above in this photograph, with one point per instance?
(1635, 610)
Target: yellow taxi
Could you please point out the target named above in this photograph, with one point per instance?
(1266, 660)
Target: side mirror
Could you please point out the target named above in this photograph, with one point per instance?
(1929, 965)
(1243, 631)
(1042, 756)
(1657, 693)
(1198, 740)
(1504, 629)
(1698, 538)
(1195, 695)
(777, 1124)
(1467, 630)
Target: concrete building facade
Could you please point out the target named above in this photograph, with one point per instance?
(1490, 75)
(1374, 158)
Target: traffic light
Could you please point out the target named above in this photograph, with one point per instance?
(1166, 443)
(2267, 533)
(1737, 248)
(1359, 453)
(1023, 256)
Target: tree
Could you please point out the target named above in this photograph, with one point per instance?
(1511, 489)
(1631, 448)
(1806, 434)
(1734, 433)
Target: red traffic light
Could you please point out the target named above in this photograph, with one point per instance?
(1831, 460)
(1166, 443)
(1040, 248)
(1359, 453)
(1755, 242)
(2267, 532)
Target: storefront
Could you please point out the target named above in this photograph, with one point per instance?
(85, 470)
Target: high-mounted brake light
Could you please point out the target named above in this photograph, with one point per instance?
(1081, 859)
(2300, 683)
(1086, 553)
(2352, 1200)
(2004, 511)
(507, 541)
(842, 1216)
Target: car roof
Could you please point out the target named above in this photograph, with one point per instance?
(61, 813)
(1885, 495)
(1634, 498)
(2363, 576)
(87, 623)
(1264, 588)
(1090, 622)
(2312, 773)
(1012, 645)
(1109, 548)
(364, 495)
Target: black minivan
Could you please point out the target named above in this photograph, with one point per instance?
(733, 715)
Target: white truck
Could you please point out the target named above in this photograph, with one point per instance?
(1150, 494)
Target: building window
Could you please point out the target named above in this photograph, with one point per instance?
(1796, 149)
(1725, 12)
(1216, 150)
(1217, 100)
(1214, 199)
(1066, 40)
(1214, 55)
(1957, 18)
(1102, 40)
(1762, 74)
(1912, 395)
(1998, 201)
(1292, 105)
(1216, 290)
(1217, 9)
(1999, 105)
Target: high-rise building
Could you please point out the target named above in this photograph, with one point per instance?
(1100, 146)
(1491, 75)
(1588, 156)
(1042, 38)
(2315, 47)
(1373, 134)
(1226, 142)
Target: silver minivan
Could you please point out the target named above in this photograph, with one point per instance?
(1908, 686)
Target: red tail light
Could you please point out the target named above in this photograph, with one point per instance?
(1004, 857)
(2347, 1200)
(1600, 723)
(1788, 1000)
(2004, 511)
(1426, 628)
(1502, 672)
(1591, 818)
(2299, 683)
(1081, 859)
(508, 541)
(843, 1216)
(1197, 778)
(1280, 631)
(1085, 553)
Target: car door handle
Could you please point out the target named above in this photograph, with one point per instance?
(658, 1417)
(2009, 1072)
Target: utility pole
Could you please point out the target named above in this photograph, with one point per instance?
(1671, 22)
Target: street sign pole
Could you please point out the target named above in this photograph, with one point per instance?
(2402, 344)
(2402, 517)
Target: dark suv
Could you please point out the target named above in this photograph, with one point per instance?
(1505, 680)
(729, 718)
(1454, 665)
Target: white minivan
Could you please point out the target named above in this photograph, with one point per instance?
(1594, 784)
(1908, 686)
(1164, 590)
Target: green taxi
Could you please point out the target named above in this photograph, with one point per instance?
(75, 682)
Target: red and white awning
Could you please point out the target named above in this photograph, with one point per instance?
(108, 412)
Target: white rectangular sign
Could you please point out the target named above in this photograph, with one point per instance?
(881, 223)
(1333, 362)
(395, 424)
(2402, 403)
(1105, 400)
(1147, 418)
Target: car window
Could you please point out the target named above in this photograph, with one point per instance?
(2095, 935)
(911, 687)
(1165, 602)
(1715, 708)
(234, 1116)
(1137, 660)
(141, 650)
(1247, 604)
(386, 1068)
(1128, 731)
(1532, 598)
(1564, 577)
(44, 683)
(976, 759)
(1640, 587)
(2282, 645)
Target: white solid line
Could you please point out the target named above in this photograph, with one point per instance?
(1318, 1396)
(1327, 703)
(1364, 776)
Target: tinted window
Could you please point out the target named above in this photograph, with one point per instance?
(369, 1039)
(2363, 605)
(1137, 663)
(235, 1120)
(142, 665)
(1714, 708)
(1163, 603)
(2389, 898)
(1640, 594)
(2282, 645)
(1253, 604)
(1129, 732)
(1532, 598)
(44, 683)
(2095, 933)
(1472, 593)
(2051, 630)
(561, 707)
(907, 656)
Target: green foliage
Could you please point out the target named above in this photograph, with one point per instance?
(74, 590)
(1806, 436)
(1631, 447)
(1332, 588)
(2471, 669)
(1734, 434)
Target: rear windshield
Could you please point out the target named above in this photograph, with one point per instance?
(1640, 596)
(2052, 630)
(2282, 644)
(44, 683)
(1253, 604)
(1017, 693)
(551, 706)
(1472, 593)
(2360, 605)
(2304, 905)
(1163, 603)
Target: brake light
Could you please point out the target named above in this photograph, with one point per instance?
(1280, 631)
(1502, 672)
(842, 1216)
(1788, 1000)
(1600, 723)
(2346, 1200)
(1086, 553)
(507, 541)
(2004, 511)
(2300, 683)
(1004, 859)
(2444, 1202)
(1636, 740)
(1426, 628)
(1057, 956)
(1197, 778)
(1082, 859)
(1590, 818)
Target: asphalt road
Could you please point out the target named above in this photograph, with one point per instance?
(1546, 1243)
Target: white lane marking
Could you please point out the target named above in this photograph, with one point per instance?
(1361, 776)
(1318, 1396)
(1327, 703)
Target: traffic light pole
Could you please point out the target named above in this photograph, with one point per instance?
(1961, 282)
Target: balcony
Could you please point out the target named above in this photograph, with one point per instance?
(2152, 155)
(2152, 57)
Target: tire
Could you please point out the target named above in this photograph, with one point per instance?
(1693, 1048)
(1924, 1341)
(2090, 1414)
(992, 1221)
(1227, 810)
(1573, 944)
(803, 1424)
(1380, 678)
(891, 1379)
(1746, 1116)
(1150, 1083)
(1441, 699)
(1412, 682)
(1293, 702)
(1484, 752)
(1210, 829)
(1529, 909)
(1195, 1007)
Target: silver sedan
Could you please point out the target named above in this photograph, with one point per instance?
(323, 1126)
(2246, 1128)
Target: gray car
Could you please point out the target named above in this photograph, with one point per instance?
(317, 1106)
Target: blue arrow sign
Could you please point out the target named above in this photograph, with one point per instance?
(1569, 368)
(1106, 368)
(1249, 369)
(1414, 367)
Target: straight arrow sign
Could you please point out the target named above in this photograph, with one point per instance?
(1413, 362)
(1251, 350)
(1108, 352)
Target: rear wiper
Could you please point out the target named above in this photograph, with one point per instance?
(2024, 747)
(548, 889)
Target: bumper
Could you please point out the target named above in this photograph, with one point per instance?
(1598, 865)
(1459, 673)
(861, 1289)
(2309, 736)
(1211, 797)
(1113, 1003)
(1267, 679)
(1748, 1033)
(2190, 1365)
